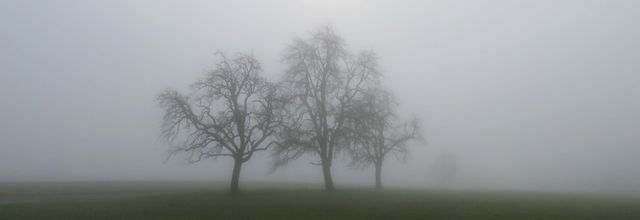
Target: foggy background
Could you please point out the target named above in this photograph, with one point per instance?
(528, 95)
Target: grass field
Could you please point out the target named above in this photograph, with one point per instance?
(169, 200)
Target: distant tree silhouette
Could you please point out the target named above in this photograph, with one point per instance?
(378, 132)
(323, 80)
(232, 112)
(445, 169)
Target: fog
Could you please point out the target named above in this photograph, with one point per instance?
(527, 95)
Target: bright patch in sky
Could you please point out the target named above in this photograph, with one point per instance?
(331, 7)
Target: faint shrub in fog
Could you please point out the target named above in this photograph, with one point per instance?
(444, 169)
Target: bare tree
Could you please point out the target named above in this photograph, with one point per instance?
(232, 112)
(323, 81)
(378, 132)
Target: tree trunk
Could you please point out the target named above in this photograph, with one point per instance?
(235, 176)
(378, 176)
(328, 181)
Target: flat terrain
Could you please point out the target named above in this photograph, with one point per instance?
(201, 200)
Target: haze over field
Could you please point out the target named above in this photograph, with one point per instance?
(527, 95)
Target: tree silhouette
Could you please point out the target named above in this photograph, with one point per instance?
(323, 80)
(232, 112)
(378, 132)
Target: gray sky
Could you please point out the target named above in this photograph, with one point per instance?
(534, 95)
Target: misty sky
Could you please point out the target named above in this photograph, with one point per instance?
(530, 95)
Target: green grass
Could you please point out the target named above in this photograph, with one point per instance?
(201, 201)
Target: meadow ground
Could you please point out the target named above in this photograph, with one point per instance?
(202, 200)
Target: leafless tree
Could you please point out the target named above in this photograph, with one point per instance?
(232, 112)
(378, 132)
(323, 79)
